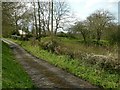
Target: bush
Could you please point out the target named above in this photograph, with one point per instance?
(62, 34)
(51, 46)
(115, 37)
(106, 62)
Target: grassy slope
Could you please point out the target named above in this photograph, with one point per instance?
(13, 75)
(93, 74)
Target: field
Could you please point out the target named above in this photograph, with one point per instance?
(13, 75)
(92, 72)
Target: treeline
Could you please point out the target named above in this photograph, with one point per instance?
(47, 18)
(37, 18)
(99, 25)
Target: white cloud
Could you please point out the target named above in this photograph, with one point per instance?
(72, 1)
(113, 1)
(91, 3)
(83, 8)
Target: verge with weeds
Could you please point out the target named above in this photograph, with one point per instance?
(92, 73)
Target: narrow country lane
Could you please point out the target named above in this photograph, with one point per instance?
(45, 75)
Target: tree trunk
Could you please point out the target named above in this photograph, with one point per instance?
(52, 33)
(98, 35)
(51, 17)
(84, 36)
(39, 37)
(35, 21)
(56, 28)
(48, 21)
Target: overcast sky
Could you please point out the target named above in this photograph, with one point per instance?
(83, 8)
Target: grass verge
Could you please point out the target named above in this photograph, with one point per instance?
(91, 73)
(13, 75)
(0, 64)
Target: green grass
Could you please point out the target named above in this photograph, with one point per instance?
(75, 45)
(13, 74)
(0, 64)
(91, 73)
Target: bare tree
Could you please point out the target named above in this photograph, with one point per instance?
(98, 21)
(50, 15)
(20, 11)
(80, 27)
(61, 11)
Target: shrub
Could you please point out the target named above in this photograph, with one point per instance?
(51, 46)
(106, 62)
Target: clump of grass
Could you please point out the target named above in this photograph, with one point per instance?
(78, 67)
(13, 75)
